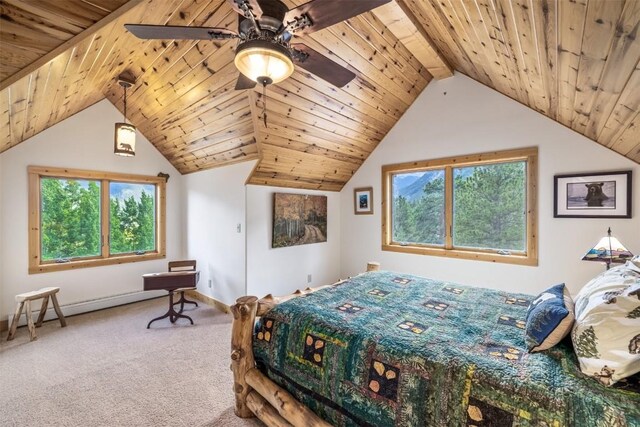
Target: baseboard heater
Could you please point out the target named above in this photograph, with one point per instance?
(89, 305)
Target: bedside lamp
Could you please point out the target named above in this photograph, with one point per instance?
(608, 250)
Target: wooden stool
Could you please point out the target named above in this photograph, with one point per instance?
(25, 299)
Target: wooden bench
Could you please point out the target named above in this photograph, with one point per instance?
(25, 300)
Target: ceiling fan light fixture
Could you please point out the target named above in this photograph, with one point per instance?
(262, 60)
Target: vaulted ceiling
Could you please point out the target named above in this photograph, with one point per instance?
(574, 61)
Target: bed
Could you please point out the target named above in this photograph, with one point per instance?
(390, 349)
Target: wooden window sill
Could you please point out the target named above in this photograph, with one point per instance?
(85, 263)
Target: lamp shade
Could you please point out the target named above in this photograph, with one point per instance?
(258, 59)
(125, 140)
(608, 250)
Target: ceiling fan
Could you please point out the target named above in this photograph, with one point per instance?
(265, 52)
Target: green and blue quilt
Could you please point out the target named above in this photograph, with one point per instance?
(390, 349)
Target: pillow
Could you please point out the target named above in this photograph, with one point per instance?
(606, 335)
(549, 318)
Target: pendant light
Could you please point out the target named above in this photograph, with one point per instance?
(125, 133)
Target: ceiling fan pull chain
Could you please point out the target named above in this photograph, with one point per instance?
(264, 103)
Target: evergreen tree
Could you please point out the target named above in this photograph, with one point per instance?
(402, 223)
(145, 234)
(117, 245)
(429, 214)
(489, 207)
(129, 223)
(71, 220)
(587, 344)
(634, 314)
(88, 232)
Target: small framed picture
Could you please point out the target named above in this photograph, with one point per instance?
(363, 201)
(592, 195)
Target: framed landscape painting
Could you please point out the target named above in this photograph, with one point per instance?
(592, 195)
(298, 219)
(363, 201)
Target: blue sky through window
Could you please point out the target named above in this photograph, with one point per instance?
(124, 190)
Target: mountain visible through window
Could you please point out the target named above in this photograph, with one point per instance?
(418, 207)
(479, 206)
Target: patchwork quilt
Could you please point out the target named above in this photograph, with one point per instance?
(389, 349)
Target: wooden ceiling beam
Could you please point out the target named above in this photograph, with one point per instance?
(75, 40)
(400, 20)
(278, 179)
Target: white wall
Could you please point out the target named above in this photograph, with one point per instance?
(459, 116)
(283, 270)
(1, 249)
(214, 203)
(83, 141)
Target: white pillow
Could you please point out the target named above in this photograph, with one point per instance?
(606, 334)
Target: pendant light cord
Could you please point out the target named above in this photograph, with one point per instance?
(125, 103)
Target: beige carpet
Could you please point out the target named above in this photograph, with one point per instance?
(106, 369)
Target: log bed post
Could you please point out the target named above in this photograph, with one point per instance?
(256, 394)
(244, 316)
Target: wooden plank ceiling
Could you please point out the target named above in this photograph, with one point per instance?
(576, 62)
(30, 29)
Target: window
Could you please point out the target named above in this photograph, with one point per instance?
(85, 218)
(480, 207)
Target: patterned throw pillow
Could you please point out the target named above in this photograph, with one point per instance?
(606, 335)
(549, 318)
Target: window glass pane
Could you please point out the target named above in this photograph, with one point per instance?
(489, 209)
(132, 217)
(70, 218)
(418, 207)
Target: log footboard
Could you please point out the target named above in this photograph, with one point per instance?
(256, 394)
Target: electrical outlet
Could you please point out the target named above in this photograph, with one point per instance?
(210, 283)
(239, 228)
(308, 278)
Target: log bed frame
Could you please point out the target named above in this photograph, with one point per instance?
(256, 394)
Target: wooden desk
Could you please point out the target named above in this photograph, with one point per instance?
(170, 281)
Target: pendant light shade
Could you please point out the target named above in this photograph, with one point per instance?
(125, 133)
(125, 142)
(262, 60)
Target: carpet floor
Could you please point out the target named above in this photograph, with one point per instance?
(107, 369)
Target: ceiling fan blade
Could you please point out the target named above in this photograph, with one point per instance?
(244, 82)
(324, 13)
(172, 32)
(322, 66)
(253, 5)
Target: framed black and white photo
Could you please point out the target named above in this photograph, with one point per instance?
(363, 201)
(592, 195)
